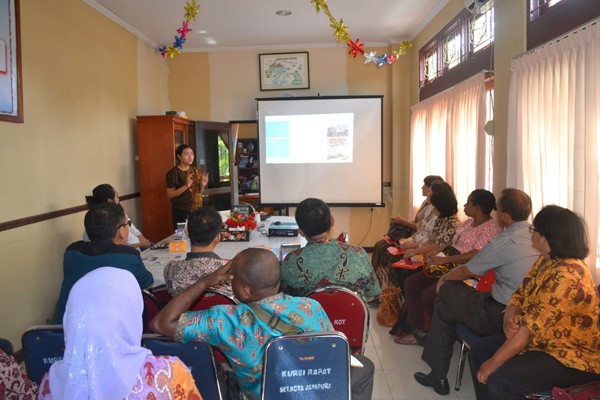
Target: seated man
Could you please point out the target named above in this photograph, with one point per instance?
(237, 331)
(204, 226)
(510, 255)
(108, 229)
(324, 259)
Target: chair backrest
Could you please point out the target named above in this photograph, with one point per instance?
(485, 282)
(151, 307)
(197, 356)
(43, 346)
(162, 294)
(6, 346)
(307, 366)
(347, 312)
(211, 298)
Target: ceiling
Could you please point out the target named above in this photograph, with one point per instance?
(253, 24)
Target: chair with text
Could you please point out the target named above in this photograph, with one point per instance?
(43, 345)
(307, 366)
(347, 312)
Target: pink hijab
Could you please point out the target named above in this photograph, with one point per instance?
(103, 331)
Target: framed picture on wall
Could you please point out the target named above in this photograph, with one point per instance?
(284, 71)
(11, 94)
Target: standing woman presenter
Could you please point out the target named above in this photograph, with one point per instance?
(185, 184)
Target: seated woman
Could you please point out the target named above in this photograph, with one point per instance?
(551, 332)
(107, 194)
(103, 356)
(423, 225)
(470, 237)
(444, 205)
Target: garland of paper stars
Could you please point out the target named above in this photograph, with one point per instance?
(340, 32)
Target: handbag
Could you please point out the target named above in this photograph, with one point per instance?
(437, 271)
(389, 306)
(399, 231)
(589, 391)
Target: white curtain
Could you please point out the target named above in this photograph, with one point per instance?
(448, 139)
(554, 124)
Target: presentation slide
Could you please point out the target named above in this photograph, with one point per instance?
(324, 147)
(318, 138)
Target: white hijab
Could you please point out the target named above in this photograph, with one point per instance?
(103, 331)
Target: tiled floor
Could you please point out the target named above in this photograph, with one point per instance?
(396, 364)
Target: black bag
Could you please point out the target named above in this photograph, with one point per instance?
(398, 231)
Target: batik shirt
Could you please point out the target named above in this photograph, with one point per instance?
(160, 378)
(328, 262)
(242, 336)
(179, 275)
(560, 303)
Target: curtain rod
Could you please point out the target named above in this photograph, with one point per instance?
(554, 41)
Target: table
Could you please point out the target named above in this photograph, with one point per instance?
(156, 260)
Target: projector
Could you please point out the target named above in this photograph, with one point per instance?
(287, 229)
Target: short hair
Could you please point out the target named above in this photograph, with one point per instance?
(313, 216)
(204, 224)
(180, 150)
(101, 194)
(443, 199)
(564, 230)
(484, 199)
(429, 179)
(515, 203)
(259, 268)
(102, 221)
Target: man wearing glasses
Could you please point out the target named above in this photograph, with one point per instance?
(108, 229)
(510, 255)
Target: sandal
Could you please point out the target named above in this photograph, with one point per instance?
(406, 339)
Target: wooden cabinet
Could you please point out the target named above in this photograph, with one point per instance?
(158, 137)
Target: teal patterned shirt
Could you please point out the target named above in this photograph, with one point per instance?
(328, 262)
(241, 336)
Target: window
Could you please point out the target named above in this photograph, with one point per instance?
(471, 32)
(223, 161)
(549, 19)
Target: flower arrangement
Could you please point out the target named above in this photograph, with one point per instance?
(241, 221)
(237, 227)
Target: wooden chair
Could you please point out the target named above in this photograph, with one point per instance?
(307, 366)
(347, 312)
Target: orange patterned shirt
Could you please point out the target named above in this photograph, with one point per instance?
(560, 307)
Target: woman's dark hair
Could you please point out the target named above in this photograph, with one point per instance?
(484, 199)
(564, 230)
(100, 195)
(429, 179)
(180, 150)
(443, 199)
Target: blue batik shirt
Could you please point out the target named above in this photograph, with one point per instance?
(242, 337)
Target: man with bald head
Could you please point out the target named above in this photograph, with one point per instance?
(236, 330)
(510, 255)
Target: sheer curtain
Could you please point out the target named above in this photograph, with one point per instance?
(448, 139)
(554, 124)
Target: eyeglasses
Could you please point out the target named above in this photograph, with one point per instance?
(128, 223)
(533, 229)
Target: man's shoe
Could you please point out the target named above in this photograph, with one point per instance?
(421, 336)
(440, 386)
(374, 302)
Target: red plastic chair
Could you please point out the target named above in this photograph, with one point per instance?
(207, 300)
(347, 312)
(151, 307)
(162, 294)
(212, 298)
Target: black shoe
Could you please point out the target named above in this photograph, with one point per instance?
(421, 336)
(440, 386)
(374, 302)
